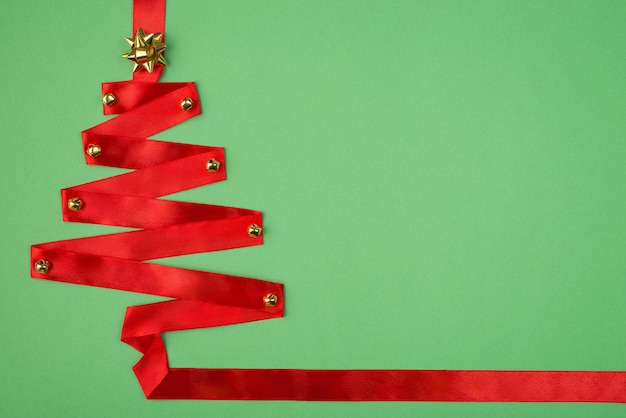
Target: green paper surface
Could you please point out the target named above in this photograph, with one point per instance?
(443, 187)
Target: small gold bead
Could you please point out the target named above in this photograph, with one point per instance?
(42, 266)
(270, 299)
(186, 103)
(108, 99)
(74, 204)
(254, 231)
(94, 150)
(212, 165)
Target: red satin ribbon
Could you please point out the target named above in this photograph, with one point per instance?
(150, 16)
(203, 299)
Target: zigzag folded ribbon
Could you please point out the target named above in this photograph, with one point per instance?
(203, 299)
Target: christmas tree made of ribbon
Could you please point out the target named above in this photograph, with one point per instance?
(201, 299)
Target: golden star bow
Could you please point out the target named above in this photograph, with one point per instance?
(146, 50)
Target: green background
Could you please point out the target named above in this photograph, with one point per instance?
(443, 186)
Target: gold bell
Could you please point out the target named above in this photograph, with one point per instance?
(74, 204)
(186, 103)
(270, 299)
(108, 99)
(212, 165)
(254, 231)
(42, 266)
(94, 150)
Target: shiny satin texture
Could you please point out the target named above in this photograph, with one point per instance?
(202, 299)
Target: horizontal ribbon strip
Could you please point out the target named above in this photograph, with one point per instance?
(201, 299)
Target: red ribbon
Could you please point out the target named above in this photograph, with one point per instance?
(150, 16)
(203, 299)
